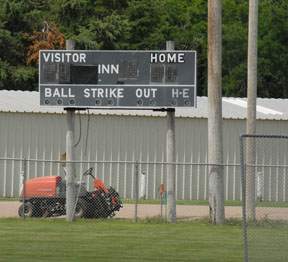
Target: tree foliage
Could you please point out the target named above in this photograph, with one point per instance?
(16, 18)
(145, 24)
(273, 49)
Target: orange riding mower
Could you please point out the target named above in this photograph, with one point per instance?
(46, 197)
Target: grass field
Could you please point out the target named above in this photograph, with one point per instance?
(118, 240)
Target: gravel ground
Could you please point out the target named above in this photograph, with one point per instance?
(184, 212)
(10, 209)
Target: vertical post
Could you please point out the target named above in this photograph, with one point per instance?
(170, 151)
(243, 180)
(24, 188)
(70, 44)
(215, 140)
(260, 186)
(143, 186)
(70, 175)
(251, 107)
(136, 191)
(161, 204)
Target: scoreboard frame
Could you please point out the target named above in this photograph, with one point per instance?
(117, 79)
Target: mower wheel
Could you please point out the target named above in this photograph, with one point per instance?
(28, 210)
(82, 208)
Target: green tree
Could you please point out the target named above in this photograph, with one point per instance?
(144, 18)
(273, 49)
(147, 24)
(185, 22)
(93, 24)
(235, 45)
(16, 18)
(107, 33)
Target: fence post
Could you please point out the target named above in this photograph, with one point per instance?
(161, 212)
(143, 186)
(260, 186)
(136, 190)
(24, 187)
(243, 180)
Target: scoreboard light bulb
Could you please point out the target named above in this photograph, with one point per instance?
(187, 102)
(174, 102)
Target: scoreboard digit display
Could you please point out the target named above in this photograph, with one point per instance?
(121, 79)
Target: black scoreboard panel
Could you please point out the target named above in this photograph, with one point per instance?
(70, 74)
(91, 78)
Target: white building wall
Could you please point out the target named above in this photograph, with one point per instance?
(120, 138)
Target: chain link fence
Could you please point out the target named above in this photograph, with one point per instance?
(265, 197)
(137, 190)
(92, 195)
(106, 189)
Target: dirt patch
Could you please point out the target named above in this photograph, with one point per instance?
(10, 209)
(184, 212)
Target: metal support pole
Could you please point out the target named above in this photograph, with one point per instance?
(70, 173)
(136, 190)
(170, 140)
(70, 176)
(24, 187)
(170, 151)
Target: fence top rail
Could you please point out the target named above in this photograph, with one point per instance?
(115, 162)
(266, 166)
(263, 136)
(138, 162)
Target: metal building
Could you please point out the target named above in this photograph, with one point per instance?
(109, 138)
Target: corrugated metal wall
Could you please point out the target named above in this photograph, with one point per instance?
(120, 138)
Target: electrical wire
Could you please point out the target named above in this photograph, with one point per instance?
(85, 149)
(80, 128)
(87, 134)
